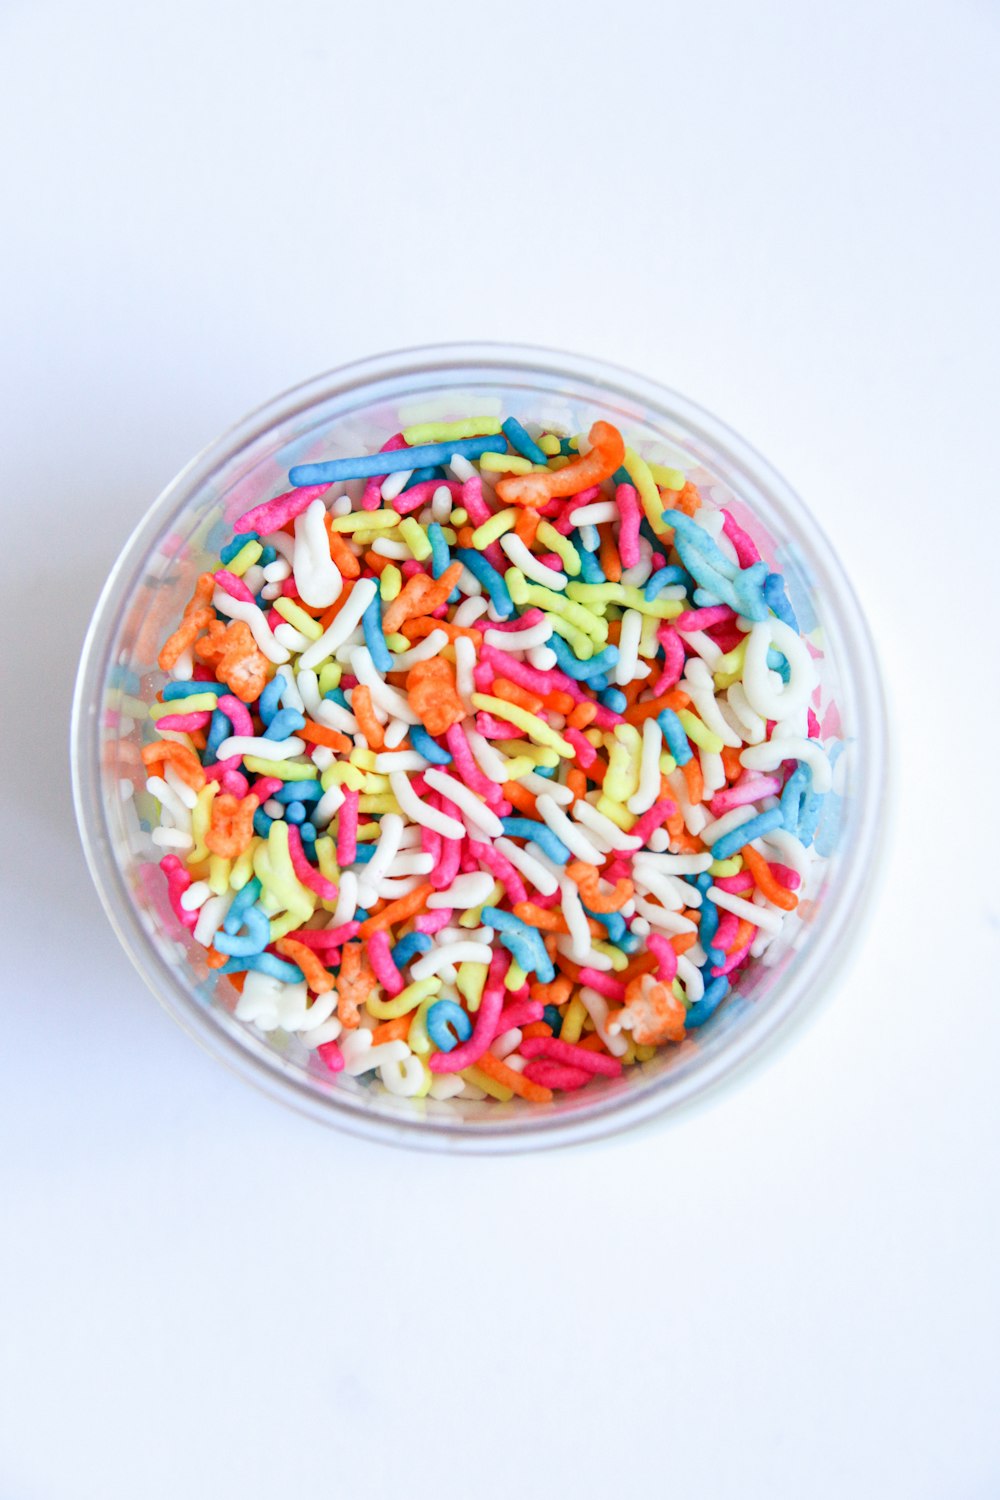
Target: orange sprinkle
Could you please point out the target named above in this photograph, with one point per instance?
(318, 734)
(520, 797)
(556, 992)
(536, 1028)
(526, 526)
(607, 451)
(611, 563)
(433, 695)
(582, 716)
(423, 625)
(377, 562)
(317, 977)
(182, 761)
(695, 780)
(392, 1031)
(341, 553)
(688, 499)
(559, 702)
(511, 692)
(587, 877)
(592, 1042)
(744, 934)
(465, 536)
(731, 763)
(640, 712)
(516, 1082)
(643, 963)
(576, 782)
(683, 941)
(355, 982)
(765, 881)
(215, 959)
(361, 707)
(328, 616)
(397, 911)
(230, 827)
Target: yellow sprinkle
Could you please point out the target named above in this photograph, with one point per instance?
(597, 595)
(560, 461)
(652, 502)
(245, 558)
(276, 873)
(242, 867)
(624, 762)
(531, 724)
(197, 703)
(329, 677)
(405, 1001)
(415, 537)
(363, 758)
(417, 1038)
(730, 667)
(628, 1057)
(583, 646)
(368, 833)
(704, 737)
(538, 755)
(201, 815)
(720, 868)
(487, 1084)
(285, 923)
(326, 853)
(447, 432)
(342, 773)
(495, 527)
(219, 870)
(378, 802)
(595, 737)
(285, 770)
(667, 763)
(516, 976)
(459, 516)
(390, 583)
(668, 479)
(365, 520)
(523, 592)
(554, 541)
(549, 444)
(519, 766)
(573, 1018)
(470, 981)
(644, 1053)
(296, 615)
(619, 960)
(506, 463)
(398, 643)
(619, 815)
(648, 643)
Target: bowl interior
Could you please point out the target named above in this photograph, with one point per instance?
(353, 411)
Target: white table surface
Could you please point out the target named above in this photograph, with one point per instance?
(787, 211)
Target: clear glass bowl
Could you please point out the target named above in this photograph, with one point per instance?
(353, 410)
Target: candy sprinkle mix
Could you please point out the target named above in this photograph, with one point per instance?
(487, 762)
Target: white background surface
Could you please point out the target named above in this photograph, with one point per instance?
(788, 211)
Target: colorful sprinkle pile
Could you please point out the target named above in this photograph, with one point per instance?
(487, 761)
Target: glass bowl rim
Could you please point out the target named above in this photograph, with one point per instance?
(821, 956)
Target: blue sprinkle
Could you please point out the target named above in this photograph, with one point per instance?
(267, 704)
(367, 464)
(244, 945)
(599, 683)
(673, 733)
(714, 572)
(288, 689)
(621, 476)
(614, 699)
(219, 729)
(286, 721)
(523, 942)
(580, 671)
(552, 1017)
(765, 822)
(267, 557)
(440, 556)
(371, 622)
(409, 946)
(364, 853)
(491, 580)
(295, 813)
(709, 1003)
(664, 578)
(307, 833)
(777, 600)
(629, 942)
(522, 442)
(241, 901)
(540, 834)
(235, 547)
(185, 689)
(360, 916)
(299, 791)
(445, 1018)
(264, 963)
(261, 823)
(793, 794)
(338, 696)
(612, 920)
(778, 663)
(708, 927)
(421, 476)
(546, 772)
(566, 447)
(428, 747)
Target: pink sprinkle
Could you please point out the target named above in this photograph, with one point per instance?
(552, 1075)
(347, 830)
(673, 665)
(663, 951)
(546, 902)
(735, 884)
(467, 769)
(530, 617)
(812, 725)
(473, 502)
(585, 497)
(430, 922)
(274, 619)
(616, 870)
(371, 499)
(570, 1055)
(786, 876)
(628, 531)
(238, 715)
(331, 1054)
(487, 1016)
(234, 783)
(383, 967)
(266, 786)
(596, 979)
(520, 1013)
(654, 818)
(585, 752)
(430, 842)
(451, 853)
(500, 867)
(222, 768)
(746, 790)
(701, 619)
(274, 514)
(289, 591)
(328, 937)
(725, 933)
(184, 723)
(178, 881)
(743, 543)
(410, 568)
(733, 960)
(495, 729)
(422, 494)
(552, 560)
(310, 877)
(233, 586)
(546, 682)
(726, 637)
(469, 863)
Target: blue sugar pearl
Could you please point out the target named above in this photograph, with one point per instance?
(262, 823)
(551, 1017)
(295, 813)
